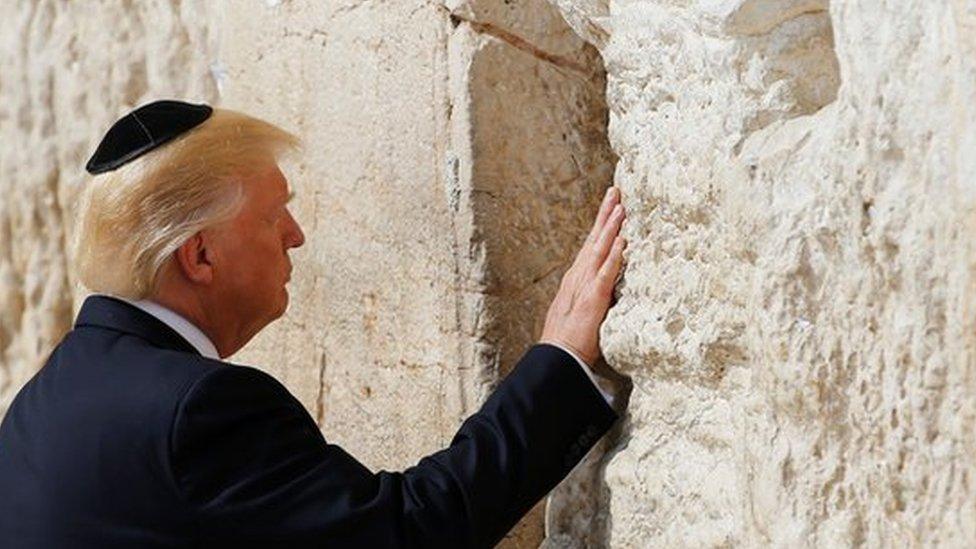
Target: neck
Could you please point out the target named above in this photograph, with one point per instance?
(194, 311)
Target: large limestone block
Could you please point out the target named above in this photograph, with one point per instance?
(370, 342)
(797, 312)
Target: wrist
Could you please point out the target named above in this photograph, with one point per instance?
(579, 355)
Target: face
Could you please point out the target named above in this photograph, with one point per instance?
(251, 264)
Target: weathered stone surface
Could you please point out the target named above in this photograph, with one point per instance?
(797, 312)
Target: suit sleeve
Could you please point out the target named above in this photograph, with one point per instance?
(255, 470)
(607, 395)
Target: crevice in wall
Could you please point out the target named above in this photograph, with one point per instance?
(535, 121)
(522, 44)
(799, 70)
(320, 397)
(758, 17)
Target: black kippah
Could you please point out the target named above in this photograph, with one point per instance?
(144, 129)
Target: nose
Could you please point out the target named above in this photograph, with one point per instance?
(294, 237)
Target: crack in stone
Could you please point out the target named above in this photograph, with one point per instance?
(771, 26)
(320, 399)
(538, 278)
(520, 43)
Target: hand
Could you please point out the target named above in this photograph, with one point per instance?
(584, 295)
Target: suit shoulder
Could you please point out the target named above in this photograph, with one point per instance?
(93, 345)
(234, 385)
(119, 371)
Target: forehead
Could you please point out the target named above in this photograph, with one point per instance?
(267, 182)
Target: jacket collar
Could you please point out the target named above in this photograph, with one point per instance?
(109, 312)
(178, 322)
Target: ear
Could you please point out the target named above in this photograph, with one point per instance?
(195, 260)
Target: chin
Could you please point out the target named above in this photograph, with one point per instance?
(284, 302)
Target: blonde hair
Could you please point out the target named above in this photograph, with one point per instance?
(129, 221)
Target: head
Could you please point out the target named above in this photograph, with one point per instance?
(200, 225)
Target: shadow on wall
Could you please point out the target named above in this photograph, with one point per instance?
(540, 164)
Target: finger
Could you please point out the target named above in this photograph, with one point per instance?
(602, 246)
(609, 201)
(611, 267)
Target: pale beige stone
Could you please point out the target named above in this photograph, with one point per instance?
(797, 313)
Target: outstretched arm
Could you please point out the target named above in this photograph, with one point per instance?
(254, 468)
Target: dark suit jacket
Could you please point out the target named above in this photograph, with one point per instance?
(127, 437)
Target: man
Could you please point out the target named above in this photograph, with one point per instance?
(136, 434)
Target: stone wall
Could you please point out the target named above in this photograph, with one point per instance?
(797, 313)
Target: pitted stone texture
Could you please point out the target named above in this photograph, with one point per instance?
(797, 312)
(67, 71)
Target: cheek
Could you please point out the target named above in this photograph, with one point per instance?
(249, 263)
(269, 257)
